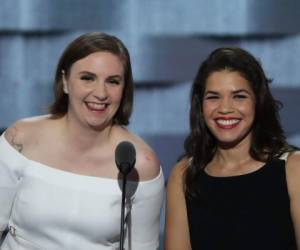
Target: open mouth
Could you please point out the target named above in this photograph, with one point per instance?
(98, 107)
(227, 123)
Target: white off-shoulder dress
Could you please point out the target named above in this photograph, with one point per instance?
(45, 208)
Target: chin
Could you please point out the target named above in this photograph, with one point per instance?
(230, 142)
(96, 127)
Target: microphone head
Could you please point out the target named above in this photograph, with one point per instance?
(125, 157)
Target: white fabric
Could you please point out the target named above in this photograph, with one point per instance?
(51, 209)
(284, 156)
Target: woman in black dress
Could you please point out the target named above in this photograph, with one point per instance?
(238, 184)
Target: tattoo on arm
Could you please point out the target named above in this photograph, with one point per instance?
(18, 146)
(11, 136)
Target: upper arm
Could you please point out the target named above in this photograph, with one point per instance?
(293, 180)
(10, 175)
(14, 136)
(144, 219)
(147, 164)
(176, 226)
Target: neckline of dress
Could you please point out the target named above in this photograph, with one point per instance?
(234, 177)
(69, 173)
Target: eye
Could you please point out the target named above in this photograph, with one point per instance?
(239, 96)
(114, 81)
(211, 97)
(87, 78)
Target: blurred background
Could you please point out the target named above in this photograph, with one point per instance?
(167, 40)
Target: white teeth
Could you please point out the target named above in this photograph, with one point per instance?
(227, 122)
(96, 105)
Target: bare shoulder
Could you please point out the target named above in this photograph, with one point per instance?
(293, 162)
(178, 171)
(293, 172)
(175, 183)
(293, 183)
(22, 132)
(147, 163)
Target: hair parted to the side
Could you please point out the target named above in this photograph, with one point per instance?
(268, 140)
(81, 47)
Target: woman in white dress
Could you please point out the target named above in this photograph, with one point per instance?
(59, 185)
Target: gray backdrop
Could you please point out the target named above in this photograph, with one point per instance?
(167, 39)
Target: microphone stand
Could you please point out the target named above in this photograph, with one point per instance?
(123, 211)
(125, 156)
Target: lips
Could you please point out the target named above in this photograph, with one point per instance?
(227, 123)
(98, 107)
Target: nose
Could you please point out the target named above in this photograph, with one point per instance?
(225, 106)
(100, 91)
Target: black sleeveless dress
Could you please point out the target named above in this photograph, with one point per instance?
(246, 212)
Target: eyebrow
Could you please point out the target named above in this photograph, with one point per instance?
(211, 92)
(90, 73)
(241, 91)
(116, 76)
(233, 92)
(86, 72)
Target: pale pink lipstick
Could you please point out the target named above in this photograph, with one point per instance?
(96, 107)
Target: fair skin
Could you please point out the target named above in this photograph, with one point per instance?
(95, 85)
(84, 140)
(228, 109)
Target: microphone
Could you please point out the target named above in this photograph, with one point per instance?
(125, 157)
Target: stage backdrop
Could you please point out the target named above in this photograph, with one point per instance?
(167, 41)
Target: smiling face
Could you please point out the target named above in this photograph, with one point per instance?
(228, 107)
(95, 86)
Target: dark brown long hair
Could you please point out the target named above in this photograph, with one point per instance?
(268, 140)
(81, 47)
